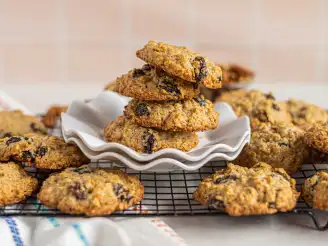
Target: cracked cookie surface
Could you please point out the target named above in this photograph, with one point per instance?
(15, 183)
(281, 145)
(258, 106)
(90, 191)
(240, 191)
(13, 123)
(315, 190)
(47, 152)
(183, 63)
(317, 137)
(193, 115)
(149, 83)
(147, 140)
(304, 114)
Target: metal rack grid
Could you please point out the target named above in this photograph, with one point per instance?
(166, 194)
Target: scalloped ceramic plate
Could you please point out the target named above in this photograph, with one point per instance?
(84, 123)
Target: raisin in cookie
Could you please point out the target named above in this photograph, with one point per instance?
(260, 107)
(15, 184)
(315, 190)
(149, 83)
(13, 123)
(317, 137)
(147, 140)
(47, 152)
(53, 113)
(90, 191)
(182, 62)
(248, 191)
(304, 113)
(193, 115)
(281, 145)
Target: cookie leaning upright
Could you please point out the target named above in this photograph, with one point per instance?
(248, 191)
(89, 191)
(182, 62)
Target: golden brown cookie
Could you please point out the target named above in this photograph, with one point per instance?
(149, 83)
(193, 115)
(13, 123)
(147, 140)
(260, 107)
(90, 191)
(315, 190)
(47, 152)
(182, 62)
(280, 145)
(316, 157)
(248, 191)
(233, 73)
(304, 113)
(15, 184)
(53, 113)
(317, 137)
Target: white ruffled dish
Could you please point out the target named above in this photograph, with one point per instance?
(84, 123)
(157, 165)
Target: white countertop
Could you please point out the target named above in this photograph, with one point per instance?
(287, 229)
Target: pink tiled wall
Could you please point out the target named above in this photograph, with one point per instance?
(83, 41)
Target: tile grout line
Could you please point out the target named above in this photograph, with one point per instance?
(61, 36)
(321, 47)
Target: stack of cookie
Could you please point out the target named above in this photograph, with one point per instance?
(167, 108)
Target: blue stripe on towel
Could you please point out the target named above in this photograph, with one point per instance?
(54, 221)
(80, 234)
(14, 231)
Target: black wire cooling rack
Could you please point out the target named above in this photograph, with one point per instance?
(166, 194)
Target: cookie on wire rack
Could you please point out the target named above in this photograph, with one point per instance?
(48, 152)
(89, 191)
(315, 190)
(261, 108)
(15, 184)
(280, 144)
(238, 190)
(13, 123)
(304, 114)
(317, 137)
